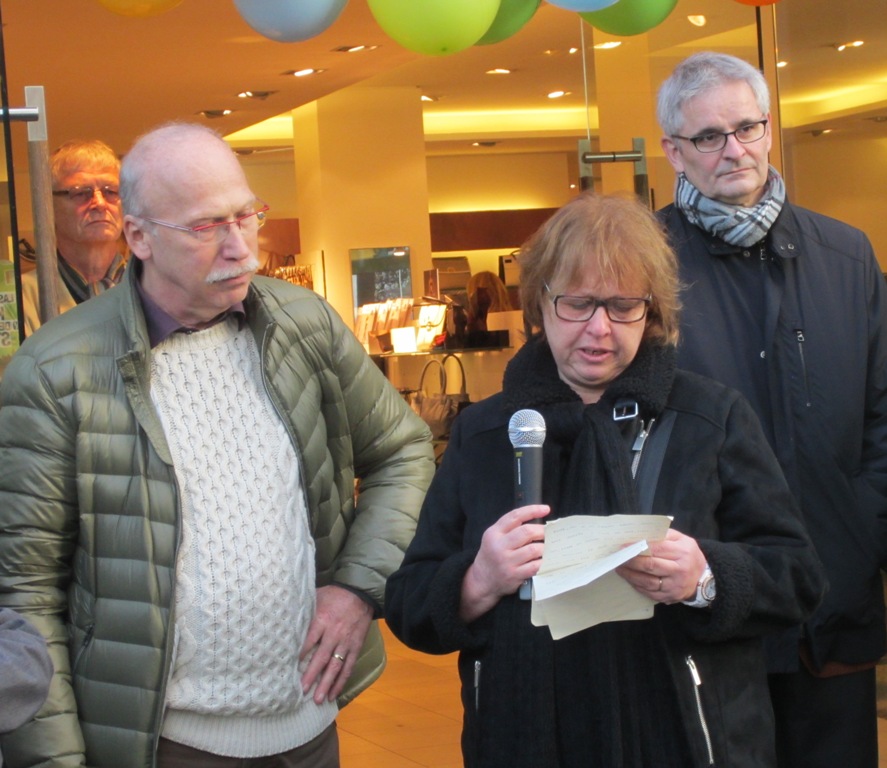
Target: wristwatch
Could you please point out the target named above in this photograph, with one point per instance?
(706, 590)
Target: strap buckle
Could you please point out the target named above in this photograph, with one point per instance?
(623, 410)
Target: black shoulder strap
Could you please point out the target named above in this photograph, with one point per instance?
(647, 477)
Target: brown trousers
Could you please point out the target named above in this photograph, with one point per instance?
(320, 752)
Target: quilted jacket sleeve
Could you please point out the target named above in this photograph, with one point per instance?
(351, 425)
(393, 464)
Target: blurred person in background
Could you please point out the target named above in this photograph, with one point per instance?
(88, 225)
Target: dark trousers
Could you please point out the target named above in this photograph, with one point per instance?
(823, 722)
(320, 752)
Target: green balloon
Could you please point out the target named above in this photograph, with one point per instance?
(512, 16)
(435, 27)
(630, 17)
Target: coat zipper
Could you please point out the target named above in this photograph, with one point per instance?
(638, 447)
(697, 684)
(87, 639)
(477, 666)
(799, 335)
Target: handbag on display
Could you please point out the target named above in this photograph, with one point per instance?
(439, 409)
(431, 324)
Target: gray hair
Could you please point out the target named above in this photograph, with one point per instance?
(150, 148)
(699, 73)
(78, 155)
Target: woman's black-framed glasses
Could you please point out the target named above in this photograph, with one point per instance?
(715, 141)
(580, 309)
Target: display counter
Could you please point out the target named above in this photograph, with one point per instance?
(484, 369)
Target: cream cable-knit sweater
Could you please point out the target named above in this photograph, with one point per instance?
(245, 570)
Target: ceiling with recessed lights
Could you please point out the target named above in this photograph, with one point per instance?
(113, 77)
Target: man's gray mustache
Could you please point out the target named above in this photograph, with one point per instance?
(226, 273)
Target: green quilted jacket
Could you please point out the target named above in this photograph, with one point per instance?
(89, 506)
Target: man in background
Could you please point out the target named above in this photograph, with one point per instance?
(88, 224)
(789, 307)
(177, 493)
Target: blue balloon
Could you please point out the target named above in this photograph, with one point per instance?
(290, 21)
(582, 5)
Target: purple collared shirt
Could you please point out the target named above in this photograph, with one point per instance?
(161, 325)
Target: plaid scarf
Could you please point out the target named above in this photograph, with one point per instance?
(734, 224)
(80, 289)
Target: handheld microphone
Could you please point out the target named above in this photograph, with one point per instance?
(526, 431)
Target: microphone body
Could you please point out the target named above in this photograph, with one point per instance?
(526, 431)
(527, 475)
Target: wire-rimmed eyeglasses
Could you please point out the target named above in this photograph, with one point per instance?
(715, 141)
(217, 231)
(84, 194)
(580, 309)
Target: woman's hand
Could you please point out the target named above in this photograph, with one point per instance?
(510, 553)
(670, 572)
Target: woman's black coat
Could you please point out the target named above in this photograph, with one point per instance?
(721, 484)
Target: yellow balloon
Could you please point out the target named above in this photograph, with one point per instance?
(139, 7)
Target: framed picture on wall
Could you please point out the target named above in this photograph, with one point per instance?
(431, 283)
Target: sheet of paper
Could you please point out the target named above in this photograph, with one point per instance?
(576, 587)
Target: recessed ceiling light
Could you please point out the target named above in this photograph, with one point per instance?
(558, 94)
(499, 71)
(484, 143)
(573, 50)
(845, 46)
(212, 114)
(426, 97)
(781, 64)
(354, 48)
(697, 20)
(260, 95)
(304, 72)
(820, 131)
(608, 46)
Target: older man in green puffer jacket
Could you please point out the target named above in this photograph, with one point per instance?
(170, 454)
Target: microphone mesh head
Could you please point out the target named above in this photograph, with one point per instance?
(526, 428)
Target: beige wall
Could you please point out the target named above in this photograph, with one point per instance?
(497, 182)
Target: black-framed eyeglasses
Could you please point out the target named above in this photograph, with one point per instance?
(217, 231)
(580, 309)
(84, 194)
(715, 141)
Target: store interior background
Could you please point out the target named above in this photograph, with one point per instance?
(352, 157)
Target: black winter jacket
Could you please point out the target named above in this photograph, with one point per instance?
(723, 486)
(799, 326)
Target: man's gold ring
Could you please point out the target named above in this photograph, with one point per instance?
(659, 588)
(341, 658)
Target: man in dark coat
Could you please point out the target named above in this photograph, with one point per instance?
(789, 307)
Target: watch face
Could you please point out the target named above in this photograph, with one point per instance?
(708, 588)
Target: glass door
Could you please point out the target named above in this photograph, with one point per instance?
(10, 285)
